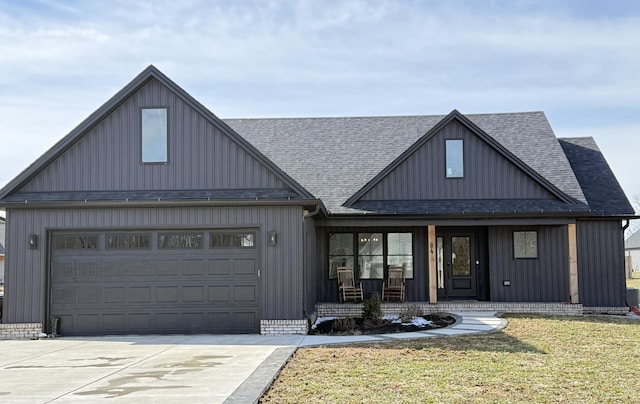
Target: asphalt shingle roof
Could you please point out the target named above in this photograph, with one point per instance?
(602, 190)
(333, 158)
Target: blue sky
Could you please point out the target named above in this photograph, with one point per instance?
(578, 61)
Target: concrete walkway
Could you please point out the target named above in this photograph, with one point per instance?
(170, 368)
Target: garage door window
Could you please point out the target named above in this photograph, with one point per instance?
(232, 240)
(128, 241)
(74, 242)
(180, 240)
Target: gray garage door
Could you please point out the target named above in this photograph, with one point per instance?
(155, 282)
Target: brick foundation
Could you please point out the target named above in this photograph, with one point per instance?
(284, 327)
(20, 331)
(355, 309)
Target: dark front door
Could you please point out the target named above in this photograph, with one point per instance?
(456, 264)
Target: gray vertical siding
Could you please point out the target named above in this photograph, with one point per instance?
(422, 175)
(311, 256)
(108, 158)
(601, 276)
(545, 279)
(282, 277)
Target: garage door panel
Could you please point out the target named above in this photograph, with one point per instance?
(140, 294)
(244, 267)
(87, 322)
(193, 294)
(113, 322)
(194, 267)
(61, 270)
(211, 290)
(219, 267)
(244, 293)
(88, 270)
(219, 293)
(114, 295)
(89, 295)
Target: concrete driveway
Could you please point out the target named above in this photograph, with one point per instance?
(172, 369)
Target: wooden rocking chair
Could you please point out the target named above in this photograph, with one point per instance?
(347, 288)
(393, 286)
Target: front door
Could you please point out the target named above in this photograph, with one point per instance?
(456, 265)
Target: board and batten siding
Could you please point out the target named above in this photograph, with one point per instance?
(601, 274)
(487, 174)
(281, 266)
(542, 279)
(108, 157)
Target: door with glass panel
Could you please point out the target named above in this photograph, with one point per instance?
(456, 265)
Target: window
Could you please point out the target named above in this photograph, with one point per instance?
(340, 252)
(75, 242)
(232, 240)
(180, 240)
(370, 256)
(370, 252)
(525, 244)
(128, 241)
(400, 252)
(454, 158)
(154, 135)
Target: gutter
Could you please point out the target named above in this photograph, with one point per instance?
(126, 203)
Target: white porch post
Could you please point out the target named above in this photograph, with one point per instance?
(431, 249)
(573, 264)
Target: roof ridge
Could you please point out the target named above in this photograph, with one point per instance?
(378, 116)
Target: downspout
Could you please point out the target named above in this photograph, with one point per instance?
(626, 226)
(305, 258)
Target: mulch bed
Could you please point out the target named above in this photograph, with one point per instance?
(360, 326)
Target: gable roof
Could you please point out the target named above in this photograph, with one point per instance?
(600, 186)
(336, 157)
(633, 241)
(138, 82)
(455, 115)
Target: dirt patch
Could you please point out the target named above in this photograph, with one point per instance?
(360, 326)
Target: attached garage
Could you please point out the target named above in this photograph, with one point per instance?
(161, 281)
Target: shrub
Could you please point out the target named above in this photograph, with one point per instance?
(347, 324)
(410, 312)
(371, 309)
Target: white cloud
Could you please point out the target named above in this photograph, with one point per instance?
(62, 60)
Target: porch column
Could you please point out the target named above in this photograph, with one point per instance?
(433, 285)
(573, 264)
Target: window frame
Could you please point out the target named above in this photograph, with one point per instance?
(160, 247)
(526, 242)
(213, 234)
(166, 136)
(447, 154)
(128, 248)
(355, 247)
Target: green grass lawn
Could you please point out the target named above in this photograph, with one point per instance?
(535, 359)
(633, 283)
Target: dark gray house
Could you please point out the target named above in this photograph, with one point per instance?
(156, 216)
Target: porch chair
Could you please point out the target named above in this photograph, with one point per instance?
(347, 288)
(393, 286)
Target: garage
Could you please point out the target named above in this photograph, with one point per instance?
(160, 281)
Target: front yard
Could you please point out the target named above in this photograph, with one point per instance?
(534, 359)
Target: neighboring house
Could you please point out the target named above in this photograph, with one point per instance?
(632, 251)
(155, 216)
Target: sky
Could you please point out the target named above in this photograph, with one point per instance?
(578, 61)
